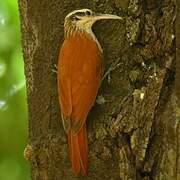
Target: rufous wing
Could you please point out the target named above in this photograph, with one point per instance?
(86, 77)
(64, 85)
(79, 75)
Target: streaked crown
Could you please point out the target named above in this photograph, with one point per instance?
(78, 14)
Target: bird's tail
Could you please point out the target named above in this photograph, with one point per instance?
(78, 150)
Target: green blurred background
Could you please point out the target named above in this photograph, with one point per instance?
(13, 105)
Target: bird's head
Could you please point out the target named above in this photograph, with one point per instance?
(83, 19)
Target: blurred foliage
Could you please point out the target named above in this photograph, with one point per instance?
(13, 105)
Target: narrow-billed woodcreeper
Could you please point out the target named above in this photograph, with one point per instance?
(79, 75)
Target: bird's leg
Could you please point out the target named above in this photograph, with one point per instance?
(112, 67)
(54, 68)
(100, 99)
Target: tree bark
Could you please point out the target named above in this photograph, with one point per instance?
(133, 132)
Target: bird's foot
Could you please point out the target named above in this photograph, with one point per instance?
(54, 69)
(112, 67)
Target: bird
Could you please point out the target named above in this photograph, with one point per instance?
(79, 73)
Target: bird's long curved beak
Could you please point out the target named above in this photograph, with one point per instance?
(97, 17)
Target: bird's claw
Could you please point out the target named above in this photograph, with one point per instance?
(54, 68)
(112, 67)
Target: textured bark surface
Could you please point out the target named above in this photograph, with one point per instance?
(133, 132)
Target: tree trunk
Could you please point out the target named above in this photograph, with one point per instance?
(132, 129)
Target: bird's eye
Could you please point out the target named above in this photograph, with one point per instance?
(88, 13)
(74, 18)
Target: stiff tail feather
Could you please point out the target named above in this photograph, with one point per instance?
(78, 150)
